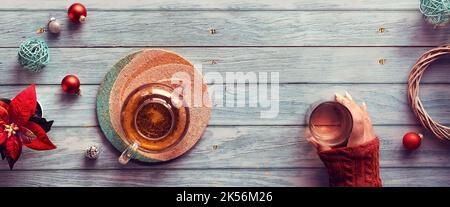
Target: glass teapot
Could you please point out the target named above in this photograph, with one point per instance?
(154, 118)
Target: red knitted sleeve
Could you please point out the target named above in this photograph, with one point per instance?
(353, 166)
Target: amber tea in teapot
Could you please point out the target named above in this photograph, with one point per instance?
(153, 119)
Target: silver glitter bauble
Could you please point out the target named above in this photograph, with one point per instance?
(92, 152)
(54, 26)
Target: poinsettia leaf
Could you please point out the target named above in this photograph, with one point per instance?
(23, 106)
(4, 116)
(4, 104)
(45, 125)
(11, 162)
(12, 150)
(3, 137)
(42, 142)
(26, 136)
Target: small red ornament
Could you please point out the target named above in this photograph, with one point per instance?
(77, 13)
(412, 140)
(71, 84)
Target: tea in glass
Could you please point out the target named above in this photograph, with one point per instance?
(330, 123)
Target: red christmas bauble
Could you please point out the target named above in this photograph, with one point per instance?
(77, 13)
(71, 84)
(412, 140)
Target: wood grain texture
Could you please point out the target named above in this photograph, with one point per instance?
(221, 147)
(215, 5)
(318, 47)
(165, 178)
(387, 103)
(222, 177)
(295, 65)
(234, 28)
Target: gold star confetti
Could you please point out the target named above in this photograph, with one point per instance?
(212, 31)
(40, 30)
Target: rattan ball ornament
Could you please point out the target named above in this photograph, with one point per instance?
(34, 54)
(436, 12)
(441, 131)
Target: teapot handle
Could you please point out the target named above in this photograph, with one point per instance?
(128, 154)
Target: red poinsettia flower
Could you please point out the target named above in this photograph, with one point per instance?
(16, 129)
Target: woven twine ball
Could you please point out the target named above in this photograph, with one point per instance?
(436, 12)
(34, 54)
(441, 131)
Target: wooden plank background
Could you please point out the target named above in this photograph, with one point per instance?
(234, 28)
(318, 47)
(214, 5)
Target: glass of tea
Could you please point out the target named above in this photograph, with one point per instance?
(153, 119)
(330, 123)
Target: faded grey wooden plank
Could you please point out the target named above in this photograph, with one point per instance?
(295, 65)
(387, 103)
(256, 147)
(420, 177)
(215, 5)
(222, 177)
(234, 28)
(165, 178)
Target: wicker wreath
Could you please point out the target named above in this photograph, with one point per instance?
(441, 131)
